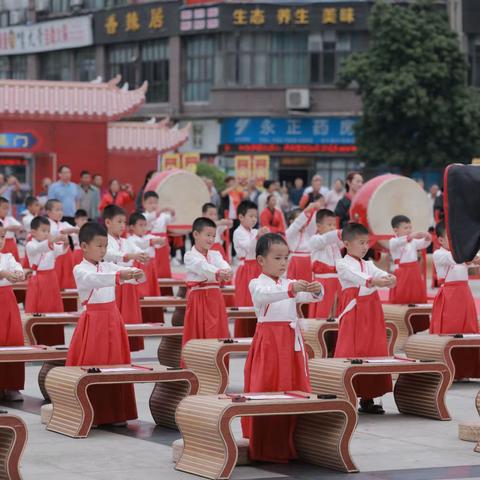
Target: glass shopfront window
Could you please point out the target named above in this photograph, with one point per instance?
(155, 69)
(199, 67)
(56, 66)
(85, 65)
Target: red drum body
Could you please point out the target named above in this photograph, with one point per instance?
(183, 191)
(385, 196)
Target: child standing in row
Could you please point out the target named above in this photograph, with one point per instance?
(33, 208)
(11, 226)
(100, 337)
(325, 247)
(411, 286)
(209, 210)
(127, 296)
(12, 375)
(245, 241)
(454, 307)
(206, 314)
(362, 331)
(43, 290)
(81, 218)
(277, 360)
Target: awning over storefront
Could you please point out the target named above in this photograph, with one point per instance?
(145, 137)
(80, 101)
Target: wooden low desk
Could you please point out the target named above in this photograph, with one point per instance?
(72, 414)
(69, 296)
(171, 282)
(406, 317)
(321, 336)
(322, 434)
(13, 438)
(439, 347)
(163, 302)
(32, 321)
(240, 312)
(207, 359)
(419, 390)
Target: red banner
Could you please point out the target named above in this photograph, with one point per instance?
(190, 161)
(170, 160)
(261, 169)
(243, 167)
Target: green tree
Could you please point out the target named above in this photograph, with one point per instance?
(417, 108)
(211, 171)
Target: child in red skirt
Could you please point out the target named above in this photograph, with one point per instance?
(277, 361)
(12, 375)
(100, 337)
(301, 228)
(411, 286)
(209, 210)
(127, 294)
(206, 314)
(325, 247)
(11, 226)
(454, 307)
(245, 241)
(43, 290)
(64, 262)
(32, 210)
(81, 218)
(158, 221)
(362, 331)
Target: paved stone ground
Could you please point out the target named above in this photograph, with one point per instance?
(390, 447)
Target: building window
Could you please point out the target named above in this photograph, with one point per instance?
(18, 67)
(288, 59)
(56, 66)
(199, 67)
(59, 6)
(4, 19)
(94, 4)
(4, 67)
(85, 65)
(327, 52)
(122, 60)
(154, 55)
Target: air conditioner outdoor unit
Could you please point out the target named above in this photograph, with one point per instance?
(297, 99)
(42, 5)
(17, 16)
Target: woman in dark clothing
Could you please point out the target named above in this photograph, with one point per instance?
(139, 199)
(354, 182)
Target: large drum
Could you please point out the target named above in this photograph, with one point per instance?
(183, 191)
(383, 197)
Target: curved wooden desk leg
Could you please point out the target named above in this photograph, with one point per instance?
(12, 442)
(165, 398)
(423, 394)
(216, 446)
(323, 439)
(329, 379)
(42, 374)
(170, 351)
(178, 317)
(72, 411)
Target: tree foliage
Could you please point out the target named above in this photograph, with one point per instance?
(417, 108)
(211, 171)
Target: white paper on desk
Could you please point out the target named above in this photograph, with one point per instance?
(132, 326)
(386, 360)
(471, 335)
(423, 305)
(120, 369)
(70, 290)
(278, 396)
(60, 315)
(243, 341)
(6, 349)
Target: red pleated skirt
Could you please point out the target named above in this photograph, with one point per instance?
(332, 291)
(206, 315)
(11, 247)
(273, 365)
(162, 260)
(411, 286)
(454, 312)
(128, 302)
(64, 268)
(300, 268)
(12, 375)
(362, 333)
(100, 339)
(77, 256)
(150, 288)
(245, 327)
(43, 296)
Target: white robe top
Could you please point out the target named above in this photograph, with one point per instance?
(358, 273)
(446, 267)
(56, 228)
(135, 244)
(96, 283)
(245, 242)
(299, 233)
(325, 248)
(10, 222)
(27, 220)
(403, 251)
(158, 223)
(204, 269)
(8, 264)
(219, 233)
(43, 254)
(116, 251)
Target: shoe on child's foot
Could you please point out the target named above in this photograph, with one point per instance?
(12, 396)
(368, 406)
